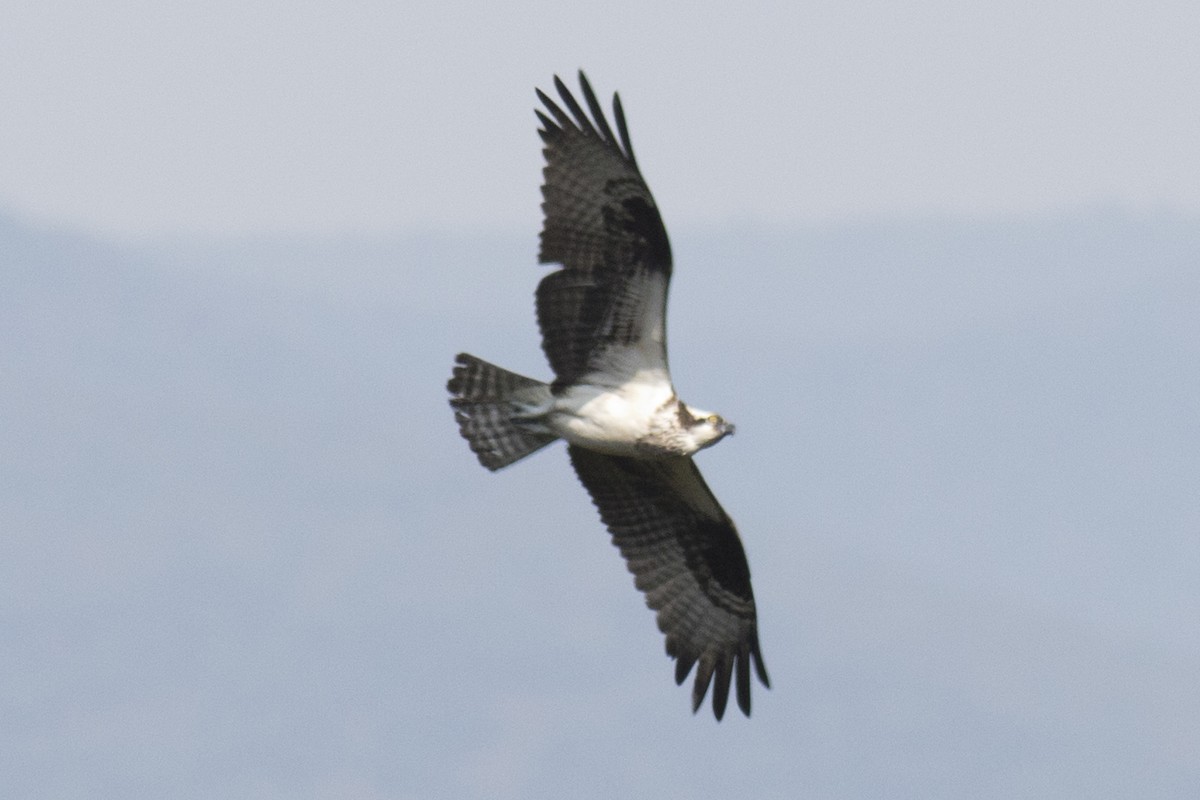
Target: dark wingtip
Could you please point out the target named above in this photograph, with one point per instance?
(704, 673)
(719, 705)
(561, 86)
(585, 84)
(574, 116)
(721, 680)
(548, 129)
(623, 129)
(743, 681)
(729, 671)
(455, 384)
(760, 666)
(682, 667)
(561, 118)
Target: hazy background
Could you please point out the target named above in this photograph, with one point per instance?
(940, 265)
(229, 116)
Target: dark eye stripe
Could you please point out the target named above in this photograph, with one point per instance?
(685, 417)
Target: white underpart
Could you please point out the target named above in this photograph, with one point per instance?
(613, 419)
(627, 405)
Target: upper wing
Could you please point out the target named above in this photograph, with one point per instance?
(605, 310)
(686, 556)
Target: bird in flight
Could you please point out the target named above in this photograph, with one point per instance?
(602, 315)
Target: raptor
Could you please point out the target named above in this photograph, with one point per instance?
(631, 440)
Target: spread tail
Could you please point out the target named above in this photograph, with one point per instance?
(496, 411)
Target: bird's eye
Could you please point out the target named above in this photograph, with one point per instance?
(713, 419)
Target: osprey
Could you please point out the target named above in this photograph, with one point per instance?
(630, 438)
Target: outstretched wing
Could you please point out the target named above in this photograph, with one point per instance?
(604, 311)
(686, 556)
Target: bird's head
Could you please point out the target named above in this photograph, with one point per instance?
(704, 428)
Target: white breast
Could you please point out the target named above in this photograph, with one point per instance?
(610, 420)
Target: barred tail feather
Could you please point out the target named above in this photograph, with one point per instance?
(488, 402)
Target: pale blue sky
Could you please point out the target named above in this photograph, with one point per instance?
(138, 117)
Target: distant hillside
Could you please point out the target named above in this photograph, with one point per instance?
(244, 553)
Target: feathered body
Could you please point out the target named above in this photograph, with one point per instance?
(603, 320)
